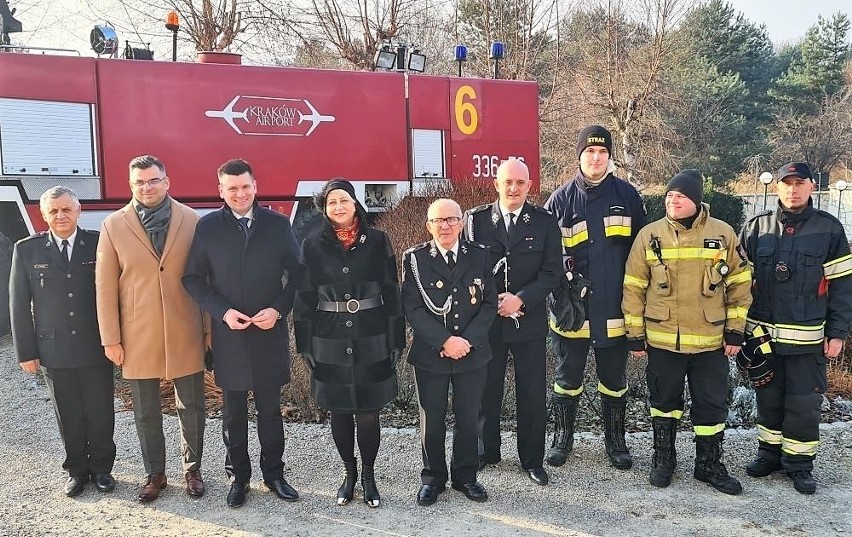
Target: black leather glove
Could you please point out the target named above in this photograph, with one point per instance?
(578, 287)
(560, 305)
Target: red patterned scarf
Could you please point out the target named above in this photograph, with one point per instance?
(347, 235)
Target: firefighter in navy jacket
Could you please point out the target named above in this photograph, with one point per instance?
(802, 272)
(599, 215)
(524, 243)
(450, 301)
(55, 327)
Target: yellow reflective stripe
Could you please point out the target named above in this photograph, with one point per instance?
(634, 320)
(789, 334)
(769, 436)
(689, 340)
(583, 332)
(795, 447)
(737, 312)
(562, 391)
(636, 282)
(742, 277)
(606, 391)
(708, 430)
(683, 254)
(837, 268)
(620, 231)
(657, 413)
(615, 327)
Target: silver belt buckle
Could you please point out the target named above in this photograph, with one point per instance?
(349, 307)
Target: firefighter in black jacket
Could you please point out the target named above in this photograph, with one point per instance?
(802, 271)
(599, 216)
(524, 243)
(450, 301)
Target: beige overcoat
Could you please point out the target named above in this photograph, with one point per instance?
(141, 301)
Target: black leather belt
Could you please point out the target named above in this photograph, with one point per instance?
(351, 306)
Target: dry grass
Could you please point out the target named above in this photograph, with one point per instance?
(840, 374)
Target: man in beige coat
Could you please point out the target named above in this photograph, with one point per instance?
(149, 325)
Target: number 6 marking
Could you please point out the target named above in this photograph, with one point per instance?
(467, 118)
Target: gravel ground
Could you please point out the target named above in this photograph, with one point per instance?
(586, 496)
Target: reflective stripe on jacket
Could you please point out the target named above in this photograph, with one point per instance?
(678, 296)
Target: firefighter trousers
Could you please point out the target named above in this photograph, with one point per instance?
(788, 410)
(571, 356)
(707, 376)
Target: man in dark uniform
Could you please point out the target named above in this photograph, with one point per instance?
(55, 328)
(450, 300)
(802, 271)
(239, 256)
(599, 215)
(525, 245)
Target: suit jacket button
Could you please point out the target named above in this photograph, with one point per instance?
(70, 295)
(162, 269)
(348, 324)
(347, 296)
(68, 276)
(348, 350)
(456, 315)
(73, 332)
(70, 313)
(345, 270)
(455, 328)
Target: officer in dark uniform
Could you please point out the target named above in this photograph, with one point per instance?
(450, 300)
(55, 327)
(525, 245)
(802, 271)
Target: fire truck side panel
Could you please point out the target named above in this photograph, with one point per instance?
(491, 122)
(47, 78)
(428, 102)
(292, 125)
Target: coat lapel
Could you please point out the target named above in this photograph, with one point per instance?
(521, 225)
(131, 219)
(464, 261)
(439, 263)
(499, 224)
(53, 251)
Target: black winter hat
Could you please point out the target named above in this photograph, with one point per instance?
(594, 135)
(689, 183)
(799, 169)
(340, 183)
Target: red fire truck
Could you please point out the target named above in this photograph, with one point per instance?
(78, 121)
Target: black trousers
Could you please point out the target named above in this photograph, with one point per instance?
(571, 357)
(707, 375)
(788, 410)
(432, 395)
(530, 397)
(83, 402)
(270, 432)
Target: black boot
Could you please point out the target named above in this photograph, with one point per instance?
(564, 414)
(368, 483)
(803, 481)
(709, 467)
(616, 447)
(347, 489)
(665, 458)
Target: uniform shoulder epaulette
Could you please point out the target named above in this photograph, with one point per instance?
(32, 237)
(475, 244)
(415, 248)
(539, 209)
(480, 208)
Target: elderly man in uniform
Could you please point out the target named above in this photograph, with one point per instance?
(802, 271)
(525, 244)
(55, 327)
(240, 255)
(450, 300)
(150, 326)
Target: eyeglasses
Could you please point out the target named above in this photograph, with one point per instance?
(450, 221)
(151, 182)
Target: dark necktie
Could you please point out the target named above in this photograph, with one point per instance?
(245, 222)
(65, 251)
(451, 262)
(511, 228)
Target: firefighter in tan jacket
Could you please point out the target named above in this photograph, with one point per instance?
(686, 294)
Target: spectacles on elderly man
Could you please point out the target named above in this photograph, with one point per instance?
(151, 182)
(450, 221)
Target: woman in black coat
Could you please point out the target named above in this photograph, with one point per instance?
(350, 329)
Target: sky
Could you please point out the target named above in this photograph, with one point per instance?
(67, 23)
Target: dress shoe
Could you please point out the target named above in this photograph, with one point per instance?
(761, 467)
(282, 489)
(538, 476)
(428, 494)
(474, 491)
(194, 484)
(104, 482)
(803, 481)
(152, 487)
(237, 494)
(74, 486)
(485, 460)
